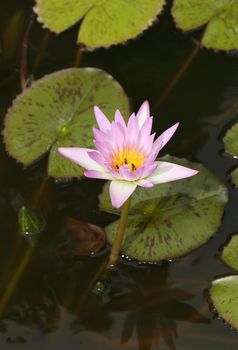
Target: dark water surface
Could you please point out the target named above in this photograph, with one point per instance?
(143, 307)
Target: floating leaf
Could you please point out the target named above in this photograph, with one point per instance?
(230, 253)
(84, 238)
(234, 177)
(231, 141)
(221, 17)
(171, 219)
(103, 22)
(224, 294)
(30, 224)
(231, 146)
(57, 110)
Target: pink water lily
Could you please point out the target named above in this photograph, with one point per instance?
(126, 153)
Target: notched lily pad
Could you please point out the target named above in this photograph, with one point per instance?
(57, 110)
(103, 22)
(224, 295)
(221, 17)
(171, 219)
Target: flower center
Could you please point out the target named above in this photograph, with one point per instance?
(130, 157)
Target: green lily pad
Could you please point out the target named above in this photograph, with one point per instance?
(103, 22)
(221, 17)
(57, 110)
(171, 219)
(224, 295)
(234, 177)
(231, 147)
(231, 140)
(230, 253)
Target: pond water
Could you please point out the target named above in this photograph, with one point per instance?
(142, 307)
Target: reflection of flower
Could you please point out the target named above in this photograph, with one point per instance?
(126, 154)
(151, 308)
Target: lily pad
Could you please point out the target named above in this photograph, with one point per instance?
(234, 177)
(57, 110)
(221, 17)
(231, 140)
(171, 219)
(224, 294)
(103, 22)
(230, 253)
(231, 147)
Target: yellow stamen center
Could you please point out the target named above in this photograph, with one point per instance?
(130, 157)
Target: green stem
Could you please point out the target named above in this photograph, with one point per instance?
(120, 234)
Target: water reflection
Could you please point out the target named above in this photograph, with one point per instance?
(51, 297)
(152, 306)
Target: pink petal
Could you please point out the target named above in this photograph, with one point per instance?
(144, 134)
(167, 172)
(97, 157)
(143, 113)
(120, 191)
(99, 135)
(95, 174)
(148, 170)
(153, 155)
(132, 130)
(165, 136)
(120, 120)
(102, 120)
(145, 183)
(80, 156)
(126, 174)
(117, 137)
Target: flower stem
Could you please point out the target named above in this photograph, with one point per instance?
(120, 234)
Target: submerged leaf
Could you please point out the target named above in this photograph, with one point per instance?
(224, 295)
(230, 253)
(85, 238)
(221, 17)
(57, 110)
(171, 219)
(103, 22)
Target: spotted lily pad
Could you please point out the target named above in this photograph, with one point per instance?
(224, 295)
(171, 219)
(57, 110)
(103, 22)
(224, 291)
(220, 16)
(230, 253)
(231, 147)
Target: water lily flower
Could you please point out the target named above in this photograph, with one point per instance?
(126, 154)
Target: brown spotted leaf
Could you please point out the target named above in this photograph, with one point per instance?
(224, 295)
(171, 219)
(81, 238)
(57, 110)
